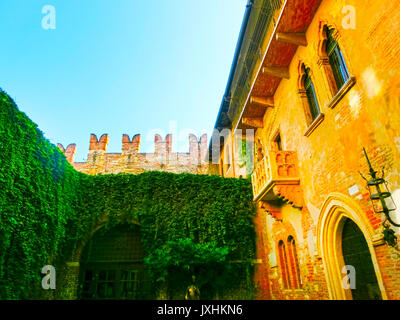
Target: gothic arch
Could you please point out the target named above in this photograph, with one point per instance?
(304, 68)
(73, 265)
(287, 256)
(334, 212)
(323, 60)
(111, 264)
(82, 243)
(322, 36)
(300, 73)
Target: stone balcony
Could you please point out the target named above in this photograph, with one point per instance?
(276, 177)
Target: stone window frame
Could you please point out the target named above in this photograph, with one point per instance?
(312, 124)
(274, 143)
(295, 278)
(283, 265)
(288, 262)
(336, 94)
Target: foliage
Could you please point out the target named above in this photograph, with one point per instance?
(184, 255)
(214, 213)
(47, 208)
(182, 259)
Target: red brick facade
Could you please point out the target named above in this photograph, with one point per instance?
(307, 186)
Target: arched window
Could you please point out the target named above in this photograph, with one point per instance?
(289, 264)
(294, 264)
(284, 264)
(336, 59)
(277, 143)
(310, 93)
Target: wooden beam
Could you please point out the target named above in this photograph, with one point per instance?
(279, 72)
(253, 122)
(255, 110)
(264, 101)
(296, 38)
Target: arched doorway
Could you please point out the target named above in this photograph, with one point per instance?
(356, 254)
(345, 237)
(112, 265)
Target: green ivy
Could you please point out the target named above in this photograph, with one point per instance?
(189, 224)
(37, 198)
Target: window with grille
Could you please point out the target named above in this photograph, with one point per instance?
(311, 94)
(112, 265)
(336, 59)
(110, 284)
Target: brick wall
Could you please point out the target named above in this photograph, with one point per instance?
(330, 157)
(130, 160)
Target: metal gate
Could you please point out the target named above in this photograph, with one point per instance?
(112, 266)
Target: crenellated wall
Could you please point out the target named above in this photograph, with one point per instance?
(130, 160)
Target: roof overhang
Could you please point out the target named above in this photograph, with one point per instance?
(257, 18)
(281, 25)
(287, 36)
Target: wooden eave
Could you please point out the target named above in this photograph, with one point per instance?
(296, 16)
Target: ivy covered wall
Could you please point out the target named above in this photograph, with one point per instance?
(38, 198)
(47, 209)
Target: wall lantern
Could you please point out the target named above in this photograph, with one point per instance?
(382, 200)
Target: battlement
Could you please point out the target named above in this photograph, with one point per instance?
(98, 145)
(69, 151)
(130, 146)
(163, 146)
(130, 160)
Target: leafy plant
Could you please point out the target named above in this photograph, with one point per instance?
(188, 223)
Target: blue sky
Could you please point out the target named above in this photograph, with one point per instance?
(121, 66)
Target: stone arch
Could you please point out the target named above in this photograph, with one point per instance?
(76, 256)
(322, 36)
(73, 265)
(111, 264)
(300, 73)
(283, 231)
(334, 212)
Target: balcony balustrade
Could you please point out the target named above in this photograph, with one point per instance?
(277, 168)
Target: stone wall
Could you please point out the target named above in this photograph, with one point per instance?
(130, 160)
